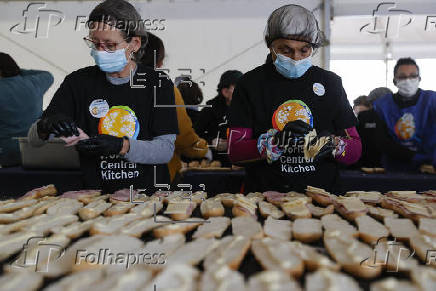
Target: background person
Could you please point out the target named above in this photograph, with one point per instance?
(187, 143)
(212, 123)
(410, 117)
(21, 96)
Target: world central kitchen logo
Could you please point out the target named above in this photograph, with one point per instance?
(387, 20)
(37, 20)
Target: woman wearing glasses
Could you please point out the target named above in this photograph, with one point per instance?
(277, 104)
(120, 104)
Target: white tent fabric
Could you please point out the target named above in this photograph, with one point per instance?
(202, 38)
(375, 30)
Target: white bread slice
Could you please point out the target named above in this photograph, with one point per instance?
(13, 243)
(192, 252)
(227, 199)
(427, 226)
(211, 207)
(13, 206)
(329, 280)
(296, 208)
(137, 228)
(49, 190)
(310, 149)
(393, 284)
(45, 224)
(370, 197)
(320, 211)
(244, 206)
(41, 251)
(21, 281)
(350, 207)
(268, 209)
(425, 247)
(119, 208)
(256, 197)
(20, 225)
(277, 255)
(424, 278)
(198, 197)
(64, 206)
(272, 280)
(93, 209)
(223, 279)
(78, 281)
(180, 210)
(175, 228)
(45, 203)
(23, 213)
(103, 247)
(147, 209)
(164, 247)
(354, 256)
(370, 230)
(278, 229)
(312, 259)
(214, 228)
(75, 229)
(401, 228)
(332, 222)
(394, 256)
(112, 224)
(230, 252)
(180, 277)
(321, 196)
(132, 279)
(380, 213)
(307, 230)
(247, 226)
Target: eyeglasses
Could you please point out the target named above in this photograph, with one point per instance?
(110, 47)
(402, 77)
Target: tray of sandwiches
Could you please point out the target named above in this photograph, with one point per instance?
(206, 165)
(88, 240)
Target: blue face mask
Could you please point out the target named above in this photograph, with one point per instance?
(290, 68)
(110, 62)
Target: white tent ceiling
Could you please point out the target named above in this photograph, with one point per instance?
(383, 30)
(208, 37)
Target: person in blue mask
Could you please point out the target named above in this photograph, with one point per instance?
(410, 117)
(118, 113)
(276, 105)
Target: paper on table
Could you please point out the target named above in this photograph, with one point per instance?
(73, 140)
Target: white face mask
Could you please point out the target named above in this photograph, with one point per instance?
(408, 87)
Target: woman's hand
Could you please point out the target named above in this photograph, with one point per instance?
(103, 145)
(57, 124)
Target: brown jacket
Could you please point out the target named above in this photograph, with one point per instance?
(188, 143)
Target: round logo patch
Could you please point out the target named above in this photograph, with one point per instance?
(119, 121)
(405, 127)
(98, 108)
(289, 111)
(318, 89)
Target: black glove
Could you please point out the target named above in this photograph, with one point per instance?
(100, 145)
(326, 150)
(292, 130)
(58, 124)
